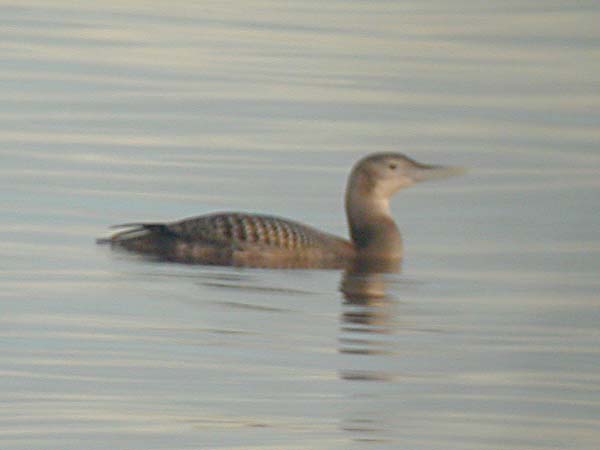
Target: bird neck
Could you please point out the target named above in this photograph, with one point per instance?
(372, 228)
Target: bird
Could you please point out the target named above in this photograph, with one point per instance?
(257, 240)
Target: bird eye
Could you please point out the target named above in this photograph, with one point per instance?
(392, 166)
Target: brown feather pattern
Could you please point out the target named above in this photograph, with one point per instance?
(240, 228)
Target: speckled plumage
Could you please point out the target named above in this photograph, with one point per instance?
(233, 238)
(242, 229)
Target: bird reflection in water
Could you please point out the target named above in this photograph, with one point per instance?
(365, 321)
(366, 312)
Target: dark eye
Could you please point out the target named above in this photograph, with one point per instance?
(392, 166)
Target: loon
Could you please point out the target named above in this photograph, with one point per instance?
(253, 240)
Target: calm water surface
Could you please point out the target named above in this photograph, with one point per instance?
(126, 111)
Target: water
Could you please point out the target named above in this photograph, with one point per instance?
(126, 111)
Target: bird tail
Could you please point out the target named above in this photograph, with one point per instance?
(135, 230)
